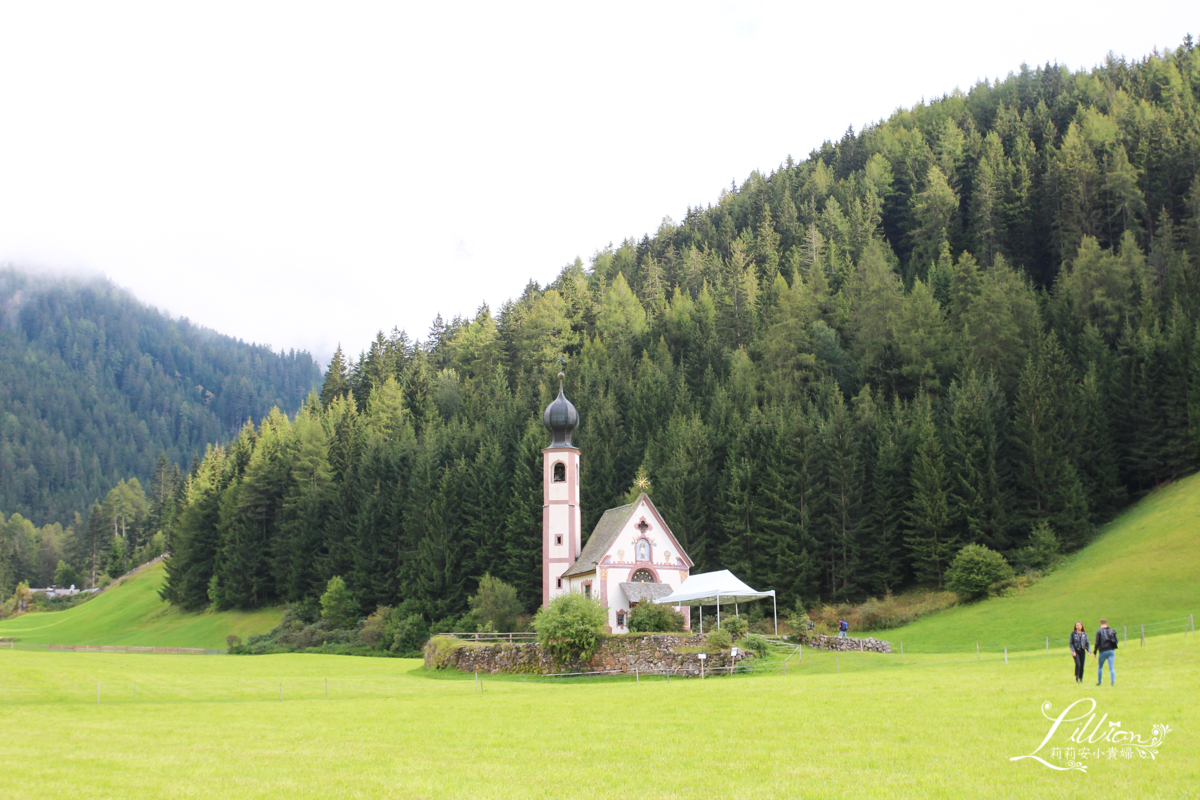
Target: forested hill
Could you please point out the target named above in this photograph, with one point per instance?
(974, 322)
(94, 386)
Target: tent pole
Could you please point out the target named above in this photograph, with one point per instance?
(718, 609)
(775, 608)
(702, 619)
(736, 613)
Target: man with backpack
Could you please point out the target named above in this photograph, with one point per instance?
(843, 627)
(1106, 647)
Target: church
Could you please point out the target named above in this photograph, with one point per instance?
(631, 557)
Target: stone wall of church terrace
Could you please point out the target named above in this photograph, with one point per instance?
(659, 652)
(870, 644)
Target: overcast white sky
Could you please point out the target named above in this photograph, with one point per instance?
(307, 174)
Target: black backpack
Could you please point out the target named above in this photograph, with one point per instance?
(1107, 638)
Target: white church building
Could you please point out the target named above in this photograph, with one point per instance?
(631, 556)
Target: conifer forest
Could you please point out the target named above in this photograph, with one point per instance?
(973, 322)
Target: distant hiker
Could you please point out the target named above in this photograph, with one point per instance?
(1106, 646)
(1079, 648)
(843, 626)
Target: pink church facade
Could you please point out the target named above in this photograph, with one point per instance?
(631, 556)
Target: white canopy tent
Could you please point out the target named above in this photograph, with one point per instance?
(710, 588)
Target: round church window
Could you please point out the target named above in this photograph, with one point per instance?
(642, 576)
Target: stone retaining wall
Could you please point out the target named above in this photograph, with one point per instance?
(870, 644)
(645, 653)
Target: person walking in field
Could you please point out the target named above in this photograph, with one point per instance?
(1106, 647)
(843, 628)
(1079, 648)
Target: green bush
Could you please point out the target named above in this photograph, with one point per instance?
(406, 636)
(65, 575)
(372, 630)
(736, 626)
(755, 644)
(650, 617)
(495, 605)
(338, 607)
(975, 569)
(718, 640)
(570, 627)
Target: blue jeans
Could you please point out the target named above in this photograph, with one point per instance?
(1111, 657)
(841, 634)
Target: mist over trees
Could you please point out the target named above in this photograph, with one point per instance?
(94, 386)
(972, 323)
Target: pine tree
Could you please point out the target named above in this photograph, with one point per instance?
(977, 462)
(337, 383)
(885, 513)
(931, 540)
(1044, 425)
(841, 501)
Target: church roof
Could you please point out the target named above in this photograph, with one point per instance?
(604, 534)
(638, 592)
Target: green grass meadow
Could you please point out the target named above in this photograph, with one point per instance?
(882, 726)
(938, 721)
(133, 614)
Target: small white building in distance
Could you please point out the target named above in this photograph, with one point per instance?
(631, 556)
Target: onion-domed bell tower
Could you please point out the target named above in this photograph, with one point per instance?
(560, 493)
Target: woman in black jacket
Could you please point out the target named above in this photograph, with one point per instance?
(1079, 648)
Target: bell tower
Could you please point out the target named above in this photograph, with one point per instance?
(561, 538)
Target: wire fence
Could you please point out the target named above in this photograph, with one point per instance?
(1138, 631)
(113, 648)
(785, 658)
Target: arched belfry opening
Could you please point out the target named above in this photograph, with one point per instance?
(560, 472)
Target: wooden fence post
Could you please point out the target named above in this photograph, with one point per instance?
(1143, 635)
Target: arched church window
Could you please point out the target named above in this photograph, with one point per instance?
(642, 576)
(560, 472)
(643, 550)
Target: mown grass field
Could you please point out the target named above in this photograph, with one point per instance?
(134, 614)
(1143, 567)
(925, 726)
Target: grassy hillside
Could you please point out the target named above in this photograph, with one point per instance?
(1143, 567)
(133, 614)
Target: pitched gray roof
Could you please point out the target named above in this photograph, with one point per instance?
(638, 592)
(601, 539)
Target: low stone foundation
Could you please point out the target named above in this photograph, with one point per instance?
(647, 653)
(870, 644)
